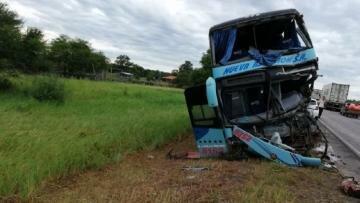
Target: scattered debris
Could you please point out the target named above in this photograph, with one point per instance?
(319, 149)
(193, 155)
(187, 155)
(328, 167)
(150, 156)
(194, 168)
(190, 177)
(351, 187)
(172, 155)
(330, 153)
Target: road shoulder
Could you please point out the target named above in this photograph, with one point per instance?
(334, 134)
(346, 160)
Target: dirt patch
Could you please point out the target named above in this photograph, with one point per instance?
(150, 177)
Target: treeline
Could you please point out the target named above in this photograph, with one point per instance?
(354, 101)
(123, 63)
(187, 75)
(29, 52)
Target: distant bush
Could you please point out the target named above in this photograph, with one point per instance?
(48, 89)
(5, 64)
(5, 83)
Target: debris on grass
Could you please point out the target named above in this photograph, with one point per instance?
(139, 179)
(190, 177)
(351, 187)
(328, 167)
(194, 168)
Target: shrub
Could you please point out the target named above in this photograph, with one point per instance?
(5, 83)
(5, 64)
(48, 89)
(13, 73)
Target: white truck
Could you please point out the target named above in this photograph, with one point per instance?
(316, 94)
(335, 95)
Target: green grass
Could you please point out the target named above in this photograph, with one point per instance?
(97, 124)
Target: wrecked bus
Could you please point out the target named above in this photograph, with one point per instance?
(264, 68)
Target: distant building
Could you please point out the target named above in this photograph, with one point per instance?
(126, 75)
(169, 78)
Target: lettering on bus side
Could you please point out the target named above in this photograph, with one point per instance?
(299, 58)
(246, 66)
(242, 136)
(212, 151)
(236, 68)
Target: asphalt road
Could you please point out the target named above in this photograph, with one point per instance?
(346, 129)
(343, 135)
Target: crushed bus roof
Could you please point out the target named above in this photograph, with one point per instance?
(256, 17)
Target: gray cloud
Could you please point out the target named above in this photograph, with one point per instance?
(163, 33)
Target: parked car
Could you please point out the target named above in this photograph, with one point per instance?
(313, 108)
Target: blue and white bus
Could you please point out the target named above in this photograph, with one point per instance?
(264, 68)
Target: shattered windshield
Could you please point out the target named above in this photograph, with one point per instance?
(244, 101)
(273, 38)
(253, 101)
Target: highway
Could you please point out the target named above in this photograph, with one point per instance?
(343, 135)
(346, 129)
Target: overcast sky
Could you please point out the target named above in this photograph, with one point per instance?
(162, 34)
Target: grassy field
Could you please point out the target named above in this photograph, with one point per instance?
(98, 123)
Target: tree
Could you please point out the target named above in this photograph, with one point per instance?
(8, 18)
(80, 58)
(137, 70)
(149, 74)
(188, 76)
(33, 51)
(75, 57)
(200, 75)
(10, 37)
(206, 60)
(123, 62)
(30, 53)
(99, 61)
(184, 78)
(187, 66)
(174, 72)
(60, 52)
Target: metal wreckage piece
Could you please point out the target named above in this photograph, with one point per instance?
(264, 68)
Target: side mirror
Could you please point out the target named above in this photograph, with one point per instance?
(211, 92)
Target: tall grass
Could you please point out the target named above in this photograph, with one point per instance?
(98, 123)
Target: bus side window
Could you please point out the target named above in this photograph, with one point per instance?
(203, 115)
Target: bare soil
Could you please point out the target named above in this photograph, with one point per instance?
(148, 176)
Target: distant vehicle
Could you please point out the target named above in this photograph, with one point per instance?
(316, 94)
(350, 110)
(335, 96)
(313, 108)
